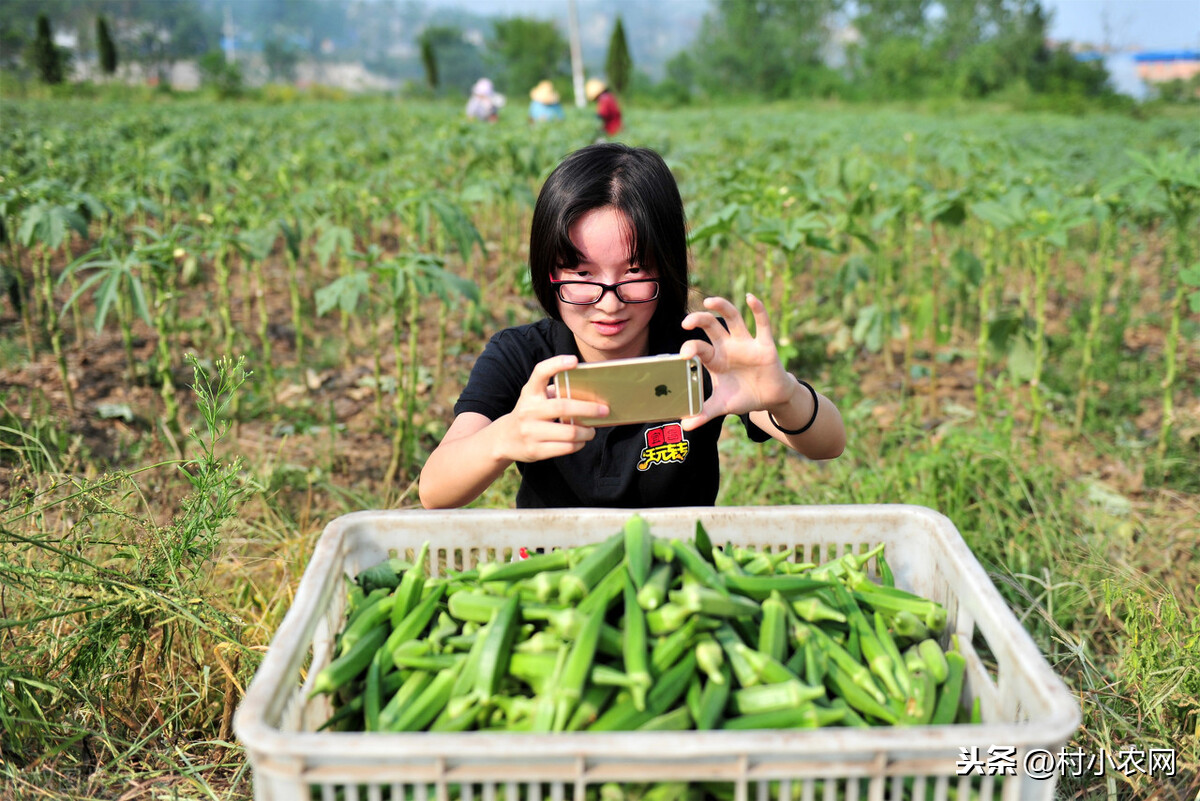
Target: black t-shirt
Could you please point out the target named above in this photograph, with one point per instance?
(628, 466)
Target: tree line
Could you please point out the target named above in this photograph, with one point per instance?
(767, 49)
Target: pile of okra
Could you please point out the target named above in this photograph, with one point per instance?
(640, 633)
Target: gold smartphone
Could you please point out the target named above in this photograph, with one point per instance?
(650, 389)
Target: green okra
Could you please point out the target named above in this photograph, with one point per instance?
(414, 622)
(710, 658)
(772, 632)
(404, 695)
(666, 618)
(373, 692)
(899, 667)
(760, 587)
(807, 716)
(497, 648)
(934, 658)
(706, 601)
(639, 549)
(814, 610)
(771, 697)
(349, 665)
(856, 695)
(524, 568)
(633, 646)
(373, 612)
(429, 704)
(668, 649)
(595, 699)
(713, 700)
(474, 605)
(412, 584)
(703, 543)
(726, 564)
(950, 694)
(678, 719)
(698, 566)
(735, 649)
(654, 592)
(579, 664)
(580, 579)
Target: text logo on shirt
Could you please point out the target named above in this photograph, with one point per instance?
(663, 444)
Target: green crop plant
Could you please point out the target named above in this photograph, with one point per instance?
(1177, 175)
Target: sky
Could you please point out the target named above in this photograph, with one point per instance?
(1131, 24)
(1128, 24)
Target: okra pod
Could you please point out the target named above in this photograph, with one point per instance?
(497, 648)
(414, 622)
(639, 549)
(578, 666)
(678, 719)
(899, 668)
(734, 649)
(346, 667)
(408, 594)
(524, 568)
(668, 649)
(703, 600)
(429, 704)
(950, 694)
(412, 687)
(373, 692)
(633, 645)
(698, 566)
(710, 658)
(374, 612)
(771, 697)
(580, 579)
(772, 632)
(666, 618)
(713, 699)
(760, 587)
(814, 610)
(934, 659)
(654, 592)
(595, 699)
(808, 716)
(856, 695)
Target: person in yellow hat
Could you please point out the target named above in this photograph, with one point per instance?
(544, 103)
(606, 105)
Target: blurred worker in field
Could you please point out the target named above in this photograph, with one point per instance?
(544, 103)
(606, 105)
(485, 102)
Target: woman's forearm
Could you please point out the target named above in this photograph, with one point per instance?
(459, 470)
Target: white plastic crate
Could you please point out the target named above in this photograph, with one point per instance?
(1024, 704)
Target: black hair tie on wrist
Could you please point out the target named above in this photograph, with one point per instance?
(811, 420)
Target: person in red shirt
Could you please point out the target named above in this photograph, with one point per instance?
(606, 105)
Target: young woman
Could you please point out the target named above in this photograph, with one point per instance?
(609, 263)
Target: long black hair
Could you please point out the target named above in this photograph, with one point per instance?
(634, 181)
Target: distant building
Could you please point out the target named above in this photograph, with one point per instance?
(1158, 67)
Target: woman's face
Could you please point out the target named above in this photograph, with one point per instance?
(609, 328)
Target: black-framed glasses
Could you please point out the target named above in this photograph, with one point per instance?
(585, 293)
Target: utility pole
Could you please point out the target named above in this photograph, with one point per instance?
(229, 41)
(576, 53)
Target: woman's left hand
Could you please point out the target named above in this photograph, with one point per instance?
(747, 373)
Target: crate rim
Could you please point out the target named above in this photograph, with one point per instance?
(1054, 723)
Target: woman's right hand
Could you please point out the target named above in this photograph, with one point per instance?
(532, 431)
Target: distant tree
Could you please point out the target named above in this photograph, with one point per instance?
(618, 66)
(458, 62)
(107, 48)
(224, 77)
(281, 58)
(429, 59)
(528, 51)
(46, 58)
(762, 47)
